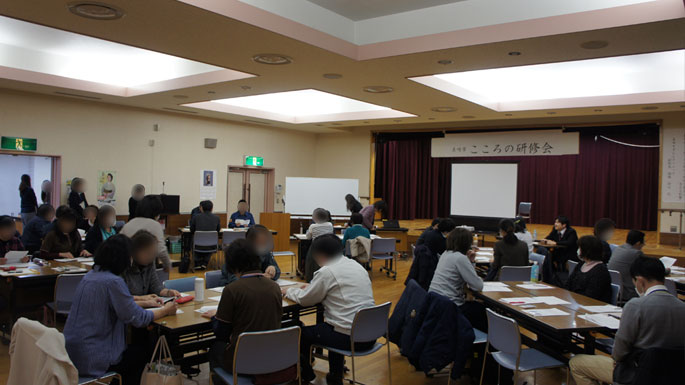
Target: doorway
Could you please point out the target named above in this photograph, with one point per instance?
(41, 169)
(255, 185)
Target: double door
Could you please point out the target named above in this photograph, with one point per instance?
(255, 185)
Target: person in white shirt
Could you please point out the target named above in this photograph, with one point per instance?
(342, 286)
(147, 215)
(321, 224)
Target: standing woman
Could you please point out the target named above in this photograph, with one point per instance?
(369, 213)
(29, 203)
(353, 205)
(46, 192)
(77, 199)
(137, 194)
(102, 229)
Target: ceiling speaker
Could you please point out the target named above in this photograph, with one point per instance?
(210, 143)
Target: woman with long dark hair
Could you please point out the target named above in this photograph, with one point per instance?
(509, 251)
(63, 240)
(29, 203)
(353, 205)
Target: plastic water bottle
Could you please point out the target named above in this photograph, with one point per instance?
(199, 289)
(534, 272)
(535, 235)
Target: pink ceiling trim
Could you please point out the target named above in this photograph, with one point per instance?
(582, 21)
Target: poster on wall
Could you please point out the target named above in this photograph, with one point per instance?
(106, 187)
(673, 167)
(208, 185)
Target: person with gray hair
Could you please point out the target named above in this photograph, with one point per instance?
(137, 193)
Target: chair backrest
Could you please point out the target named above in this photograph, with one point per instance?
(229, 236)
(267, 351)
(370, 323)
(212, 279)
(65, 287)
(616, 277)
(383, 246)
(524, 208)
(503, 333)
(515, 273)
(181, 284)
(571, 266)
(671, 286)
(539, 258)
(162, 275)
(206, 238)
(613, 247)
(615, 290)
(348, 252)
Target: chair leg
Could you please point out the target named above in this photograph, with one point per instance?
(568, 375)
(354, 377)
(535, 377)
(485, 357)
(516, 372)
(387, 343)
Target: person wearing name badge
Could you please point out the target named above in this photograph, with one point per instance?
(653, 320)
(9, 240)
(241, 218)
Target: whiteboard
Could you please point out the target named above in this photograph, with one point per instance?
(484, 189)
(303, 195)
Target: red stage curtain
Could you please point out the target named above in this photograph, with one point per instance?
(605, 179)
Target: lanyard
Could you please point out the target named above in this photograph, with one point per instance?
(654, 291)
(252, 275)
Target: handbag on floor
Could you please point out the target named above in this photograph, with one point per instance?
(161, 369)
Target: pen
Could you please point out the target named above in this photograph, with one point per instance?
(516, 303)
(617, 317)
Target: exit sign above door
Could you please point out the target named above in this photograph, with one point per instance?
(18, 144)
(254, 161)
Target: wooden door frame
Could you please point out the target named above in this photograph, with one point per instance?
(269, 186)
(55, 200)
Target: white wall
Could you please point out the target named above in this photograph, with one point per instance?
(92, 136)
(13, 167)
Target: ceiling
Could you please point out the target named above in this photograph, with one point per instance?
(362, 10)
(196, 33)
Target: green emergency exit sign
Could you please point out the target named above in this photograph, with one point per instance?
(19, 144)
(254, 161)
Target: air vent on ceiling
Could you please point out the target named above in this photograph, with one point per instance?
(77, 95)
(179, 110)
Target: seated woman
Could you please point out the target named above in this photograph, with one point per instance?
(64, 240)
(252, 303)
(455, 269)
(103, 228)
(604, 230)
(141, 277)
(508, 251)
(262, 240)
(8, 239)
(95, 332)
(591, 277)
(356, 229)
(147, 215)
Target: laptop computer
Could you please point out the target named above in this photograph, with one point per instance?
(391, 224)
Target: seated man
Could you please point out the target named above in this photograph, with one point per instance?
(262, 240)
(343, 287)
(253, 303)
(35, 230)
(204, 221)
(436, 240)
(8, 239)
(654, 320)
(623, 257)
(433, 226)
(242, 217)
(564, 236)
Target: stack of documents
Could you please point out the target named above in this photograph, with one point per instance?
(205, 309)
(534, 286)
(605, 320)
(14, 257)
(285, 282)
(603, 309)
(548, 300)
(219, 289)
(667, 261)
(496, 287)
(546, 312)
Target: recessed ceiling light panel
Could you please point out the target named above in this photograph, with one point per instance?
(95, 10)
(594, 44)
(302, 106)
(37, 54)
(621, 80)
(378, 89)
(443, 109)
(272, 59)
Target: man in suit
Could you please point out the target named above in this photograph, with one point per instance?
(204, 221)
(566, 239)
(623, 257)
(436, 240)
(654, 320)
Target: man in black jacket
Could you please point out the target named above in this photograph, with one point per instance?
(563, 239)
(204, 221)
(436, 240)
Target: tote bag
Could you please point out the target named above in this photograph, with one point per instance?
(161, 369)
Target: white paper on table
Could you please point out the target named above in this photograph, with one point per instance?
(677, 268)
(667, 261)
(603, 309)
(285, 282)
(89, 263)
(84, 259)
(495, 287)
(482, 259)
(69, 269)
(205, 309)
(242, 222)
(490, 249)
(521, 300)
(546, 312)
(15, 257)
(217, 298)
(20, 265)
(677, 279)
(65, 260)
(179, 311)
(284, 303)
(551, 300)
(534, 286)
(219, 289)
(602, 320)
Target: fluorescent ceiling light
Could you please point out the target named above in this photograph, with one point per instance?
(39, 54)
(635, 79)
(302, 106)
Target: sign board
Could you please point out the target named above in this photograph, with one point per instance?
(19, 144)
(506, 143)
(673, 166)
(254, 160)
